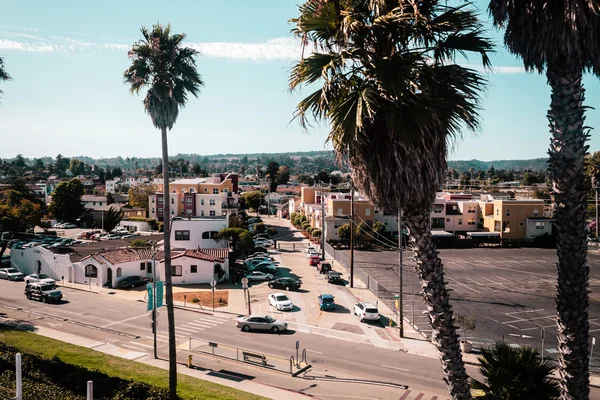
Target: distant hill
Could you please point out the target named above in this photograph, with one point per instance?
(535, 164)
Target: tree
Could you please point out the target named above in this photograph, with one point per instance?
(116, 171)
(260, 228)
(515, 373)
(160, 63)
(76, 167)
(283, 175)
(109, 199)
(344, 233)
(139, 194)
(66, 202)
(3, 74)
(140, 243)
(19, 210)
(568, 47)
(61, 164)
(19, 161)
(394, 98)
(378, 229)
(271, 173)
(112, 218)
(38, 164)
(239, 239)
(251, 199)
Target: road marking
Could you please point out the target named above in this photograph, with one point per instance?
(142, 344)
(158, 339)
(242, 336)
(125, 320)
(325, 395)
(467, 286)
(399, 369)
(314, 351)
(181, 328)
(523, 312)
(215, 320)
(130, 347)
(201, 324)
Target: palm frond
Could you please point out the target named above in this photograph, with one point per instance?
(3, 74)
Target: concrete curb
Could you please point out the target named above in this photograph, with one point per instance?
(80, 289)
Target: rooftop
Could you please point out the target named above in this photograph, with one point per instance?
(189, 181)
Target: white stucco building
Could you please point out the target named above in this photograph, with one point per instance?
(197, 232)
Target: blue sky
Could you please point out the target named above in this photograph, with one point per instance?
(67, 95)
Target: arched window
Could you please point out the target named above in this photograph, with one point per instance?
(119, 272)
(91, 271)
(206, 235)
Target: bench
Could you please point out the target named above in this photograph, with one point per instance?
(253, 357)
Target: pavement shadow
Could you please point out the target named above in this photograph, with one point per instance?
(339, 309)
(9, 324)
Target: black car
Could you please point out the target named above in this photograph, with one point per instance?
(334, 277)
(132, 281)
(44, 292)
(285, 283)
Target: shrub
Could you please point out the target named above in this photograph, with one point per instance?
(272, 231)
(309, 229)
(305, 225)
(316, 232)
(140, 243)
(260, 228)
(293, 216)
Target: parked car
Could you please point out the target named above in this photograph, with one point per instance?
(259, 254)
(68, 226)
(326, 302)
(334, 277)
(264, 267)
(312, 253)
(309, 249)
(261, 322)
(132, 281)
(285, 283)
(41, 278)
(324, 267)
(257, 260)
(44, 292)
(11, 274)
(366, 311)
(259, 276)
(314, 261)
(280, 301)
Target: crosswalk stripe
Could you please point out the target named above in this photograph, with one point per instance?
(132, 347)
(142, 344)
(182, 328)
(202, 324)
(158, 339)
(196, 328)
(211, 319)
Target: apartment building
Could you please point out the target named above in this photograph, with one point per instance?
(511, 218)
(455, 213)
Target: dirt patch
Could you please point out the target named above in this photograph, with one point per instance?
(204, 298)
(340, 326)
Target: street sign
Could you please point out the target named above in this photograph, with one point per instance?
(297, 344)
(213, 344)
(593, 340)
(244, 283)
(213, 283)
(159, 293)
(150, 303)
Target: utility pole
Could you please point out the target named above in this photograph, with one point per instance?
(596, 190)
(400, 302)
(154, 298)
(269, 201)
(351, 236)
(323, 224)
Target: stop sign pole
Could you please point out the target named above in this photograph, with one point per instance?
(213, 283)
(246, 293)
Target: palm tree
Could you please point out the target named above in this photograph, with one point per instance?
(161, 64)
(515, 373)
(3, 74)
(395, 98)
(561, 38)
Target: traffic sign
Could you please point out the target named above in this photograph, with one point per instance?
(213, 283)
(150, 297)
(159, 293)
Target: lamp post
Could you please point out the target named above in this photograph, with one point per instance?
(155, 328)
(400, 261)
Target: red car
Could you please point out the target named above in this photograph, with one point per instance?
(314, 261)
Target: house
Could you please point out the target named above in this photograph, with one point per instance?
(538, 226)
(197, 232)
(92, 201)
(197, 266)
(456, 213)
(107, 268)
(133, 212)
(509, 217)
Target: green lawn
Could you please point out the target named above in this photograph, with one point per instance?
(188, 387)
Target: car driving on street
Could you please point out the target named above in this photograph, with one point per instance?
(261, 322)
(280, 301)
(326, 302)
(43, 278)
(44, 292)
(12, 274)
(285, 283)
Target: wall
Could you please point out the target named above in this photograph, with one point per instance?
(519, 212)
(54, 265)
(205, 272)
(203, 210)
(197, 226)
(532, 231)
(136, 226)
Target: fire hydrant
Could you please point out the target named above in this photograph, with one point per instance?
(189, 361)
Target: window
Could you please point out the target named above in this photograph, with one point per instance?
(211, 202)
(161, 200)
(149, 267)
(521, 224)
(152, 210)
(438, 208)
(201, 202)
(174, 190)
(160, 210)
(182, 235)
(188, 211)
(188, 201)
(194, 269)
(172, 200)
(471, 222)
(91, 271)
(202, 213)
(447, 219)
(192, 190)
(215, 191)
(175, 270)
(100, 203)
(93, 203)
(497, 211)
(205, 189)
(460, 221)
(212, 213)
(367, 212)
(471, 210)
(119, 272)
(540, 225)
(508, 212)
(142, 266)
(209, 234)
(153, 199)
(536, 212)
(340, 212)
(225, 190)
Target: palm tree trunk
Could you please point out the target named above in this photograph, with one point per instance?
(168, 280)
(567, 152)
(433, 288)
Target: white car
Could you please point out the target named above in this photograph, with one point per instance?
(68, 226)
(41, 278)
(11, 274)
(312, 253)
(280, 301)
(309, 249)
(366, 311)
(259, 276)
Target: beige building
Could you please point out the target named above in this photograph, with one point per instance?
(509, 217)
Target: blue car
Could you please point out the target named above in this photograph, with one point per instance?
(326, 302)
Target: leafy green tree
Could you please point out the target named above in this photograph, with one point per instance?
(116, 172)
(138, 195)
(112, 218)
(162, 64)
(260, 228)
(61, 164)
(515, 373)
(344, 233)
(239, 239)
(19, 161)
(283, 175)
(394, 97)
(271, 174)
(19, 210)
(316, 233)
(378, 229)
(251, 199)
(66, 202)
(140, 243)
(3, 74)
(38, 164)
(568, 47)
(76, 167)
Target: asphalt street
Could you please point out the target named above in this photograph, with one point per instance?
(510, 291)
(124, 322)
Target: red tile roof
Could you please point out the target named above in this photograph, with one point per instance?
(218, 255)
(121, 256)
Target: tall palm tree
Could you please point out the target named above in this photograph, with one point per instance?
(515, 373)
(3, 74)
(561, 38)
(160, 63)
(395, 98)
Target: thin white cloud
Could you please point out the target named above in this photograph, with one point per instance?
(26, 46)
(275, 49)
(506, 70)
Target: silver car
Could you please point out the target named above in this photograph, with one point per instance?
(261, 322)
(41, 278)
(259, 276)
(12, 274)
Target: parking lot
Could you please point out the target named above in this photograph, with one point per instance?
(510, 291)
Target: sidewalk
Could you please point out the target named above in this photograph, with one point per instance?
(260, 389)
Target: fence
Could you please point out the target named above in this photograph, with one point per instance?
(293, 365)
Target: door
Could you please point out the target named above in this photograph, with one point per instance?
(109, 277)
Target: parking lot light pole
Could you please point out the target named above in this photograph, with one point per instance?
(154, 298)
(400, 262)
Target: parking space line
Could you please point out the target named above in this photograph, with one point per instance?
(529, 319)
(467, 286)
(523, 312)
(399, 369)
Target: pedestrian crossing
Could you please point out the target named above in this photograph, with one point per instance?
(414, 395)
